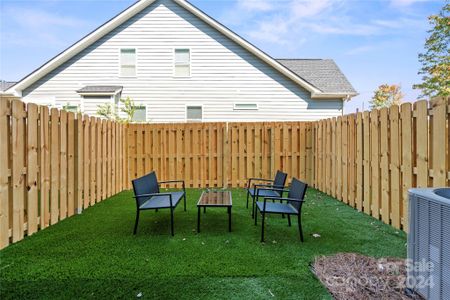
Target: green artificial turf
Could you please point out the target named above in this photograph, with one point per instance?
(95, 255)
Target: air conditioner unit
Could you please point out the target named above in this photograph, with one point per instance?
(429, 243)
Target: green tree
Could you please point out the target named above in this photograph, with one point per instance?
(110, 111)
(435, 61)
(129, 108)
(386, 95)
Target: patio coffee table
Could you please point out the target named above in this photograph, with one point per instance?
(215, 199)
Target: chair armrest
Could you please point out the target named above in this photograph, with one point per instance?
(257, 179)
(273, 186)
(170, 181)
(174, 181)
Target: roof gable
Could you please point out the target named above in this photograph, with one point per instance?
(134, 9)
(322, 73)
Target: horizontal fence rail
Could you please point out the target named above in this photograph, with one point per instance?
(54, 164)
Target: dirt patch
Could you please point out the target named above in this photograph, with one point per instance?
(355, 276)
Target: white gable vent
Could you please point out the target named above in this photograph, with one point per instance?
(429, 243)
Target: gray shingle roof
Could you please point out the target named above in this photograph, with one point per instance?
(324, 74)
(100, 89)
(4, 85)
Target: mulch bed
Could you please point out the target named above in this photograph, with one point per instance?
(355, 276)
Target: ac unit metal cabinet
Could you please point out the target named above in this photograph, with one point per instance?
(429, 243)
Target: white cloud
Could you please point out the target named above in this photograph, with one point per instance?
(360, 49)
(256, 5)
(37, 18)
(286, 17)
(401, 23)
(273, 31)
(34, 27)
(404, 3)
(295, 22)
(309, 8)
(344, 29)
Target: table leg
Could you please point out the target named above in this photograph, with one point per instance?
(229, 219)
(198, 220)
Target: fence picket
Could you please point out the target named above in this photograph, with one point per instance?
(407, 151)
(384, 165)
(54, 166)
(32, 168)
(4, 173)
(63, 165)
(70, 164)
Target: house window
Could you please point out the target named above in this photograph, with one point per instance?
(128, 62)
(140, 114)
(245, 106)
(182, 63)
(71, 108)
(194, 113)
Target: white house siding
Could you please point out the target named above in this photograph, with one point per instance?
(222, 73)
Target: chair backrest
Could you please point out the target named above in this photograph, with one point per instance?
(280, 179)
(147, 184)
(297, 191)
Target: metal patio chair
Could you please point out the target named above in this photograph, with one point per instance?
(148, 196)
(292, 206)
(272, 188)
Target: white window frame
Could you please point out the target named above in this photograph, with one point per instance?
(135, 62)
(144, 106)
(236, 106)
(175, 63)
(193, 120)
(78, 107)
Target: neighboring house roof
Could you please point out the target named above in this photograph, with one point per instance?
(4, 85)
(100, 89)
(136, 8)
(324, 74)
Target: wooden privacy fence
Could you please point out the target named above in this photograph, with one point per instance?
(54, 164)
(220, 154)
(369, 160)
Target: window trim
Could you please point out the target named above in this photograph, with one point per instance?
(77, 107)
(186, 112)
(140, 106)
(135, 62)
(175, 64)
(235, 106)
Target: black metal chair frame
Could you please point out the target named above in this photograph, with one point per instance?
(299, 200)
(257, 187)
(148, 196)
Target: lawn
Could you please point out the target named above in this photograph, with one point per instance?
(95, 255)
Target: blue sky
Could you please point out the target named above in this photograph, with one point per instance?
(374, 42)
